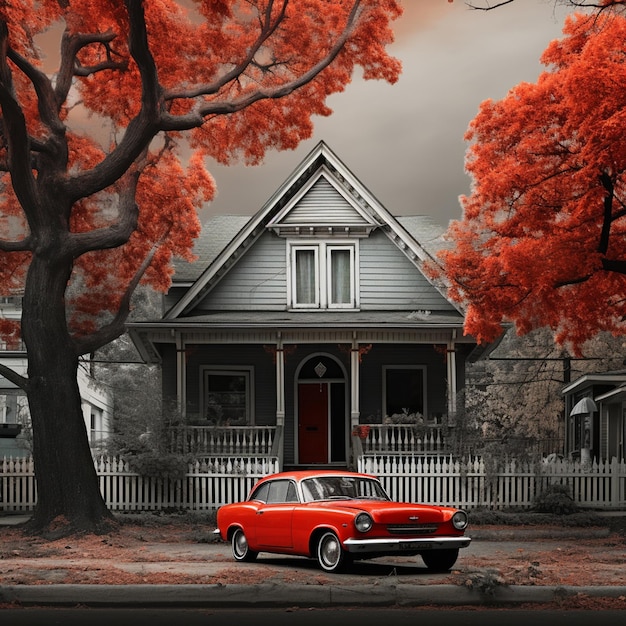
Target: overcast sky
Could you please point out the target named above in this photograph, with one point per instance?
(405, 142)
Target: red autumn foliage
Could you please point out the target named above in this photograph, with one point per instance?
(97, 188)
(542, 241)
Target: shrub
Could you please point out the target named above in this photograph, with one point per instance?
(555, 499)
(158, 465)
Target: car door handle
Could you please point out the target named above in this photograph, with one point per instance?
(259, 512)
(311, 428)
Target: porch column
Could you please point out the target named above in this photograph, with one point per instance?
(181, 375)
(355, 377)
(280, 382)
(451, 365)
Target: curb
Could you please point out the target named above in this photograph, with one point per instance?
(263, 595)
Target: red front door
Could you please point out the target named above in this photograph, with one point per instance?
(313, 423)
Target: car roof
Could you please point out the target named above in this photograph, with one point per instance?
(299, 475)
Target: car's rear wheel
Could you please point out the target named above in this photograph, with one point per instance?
(440, 560)
(330, 554)
(239, 545)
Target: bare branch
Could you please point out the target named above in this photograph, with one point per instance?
(489, 7)
(13, 377)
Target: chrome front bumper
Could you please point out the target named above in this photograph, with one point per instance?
(371, 546)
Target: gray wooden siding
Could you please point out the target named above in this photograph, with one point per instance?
(389, 280)
(257, 282)
(323, 204)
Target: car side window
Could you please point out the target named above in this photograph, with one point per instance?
(282, 491)
(261, 493)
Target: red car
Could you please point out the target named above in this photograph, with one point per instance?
(336, 517)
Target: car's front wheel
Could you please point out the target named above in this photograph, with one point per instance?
(440, 560)
(239, 545)
(330, 554)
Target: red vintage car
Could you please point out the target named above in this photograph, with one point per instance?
(336, 517)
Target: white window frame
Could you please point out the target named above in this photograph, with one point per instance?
(316, 304)
(323, 274)
(330, 248)
(246, 370)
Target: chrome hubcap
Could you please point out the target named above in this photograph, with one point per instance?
(241, 544)
(330, 551)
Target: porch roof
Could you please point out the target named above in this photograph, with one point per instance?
(267, 326)
(310, 319)
(616, 395)
(617, 377)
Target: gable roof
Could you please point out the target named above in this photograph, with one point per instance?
(217, 233)
(295, 208)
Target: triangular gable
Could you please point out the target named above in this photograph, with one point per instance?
(323, 204)
(320, 174)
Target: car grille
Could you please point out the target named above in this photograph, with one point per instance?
(412, 529)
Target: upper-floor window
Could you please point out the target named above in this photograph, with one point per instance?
(323, 275)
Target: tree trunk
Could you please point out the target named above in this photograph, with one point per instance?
(68, 493)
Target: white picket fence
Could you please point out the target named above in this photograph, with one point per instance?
(445, 481)
(436, 480)
(208, 484)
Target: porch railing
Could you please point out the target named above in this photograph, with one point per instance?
(401, 438)
(223, 440)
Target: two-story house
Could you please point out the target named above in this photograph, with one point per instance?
(310, 331)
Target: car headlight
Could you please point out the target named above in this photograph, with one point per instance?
(459, 520)
(363, 522)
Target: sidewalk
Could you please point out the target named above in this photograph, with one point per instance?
(504, 566)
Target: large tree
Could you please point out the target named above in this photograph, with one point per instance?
(542, 241)
(96, 194)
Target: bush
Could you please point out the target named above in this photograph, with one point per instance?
(157, 465)
(555, 499)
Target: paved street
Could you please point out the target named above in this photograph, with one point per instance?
(305, 617)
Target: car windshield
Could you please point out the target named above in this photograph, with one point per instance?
(342, 488)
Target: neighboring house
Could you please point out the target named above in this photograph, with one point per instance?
(96, 398)
(309, 331)
(595, 416)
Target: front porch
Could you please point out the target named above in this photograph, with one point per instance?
(267, 441)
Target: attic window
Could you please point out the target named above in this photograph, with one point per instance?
(323, 276)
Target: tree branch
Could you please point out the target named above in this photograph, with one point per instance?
(13, 377)
(71, 45)
(141, 129)
(607, 213)
(196, 118)
(16, 246)
(16, 136)
(47, 103)
(116, 234)
(267, 30)
(489, 7)
(116, 327)
(614, 265)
